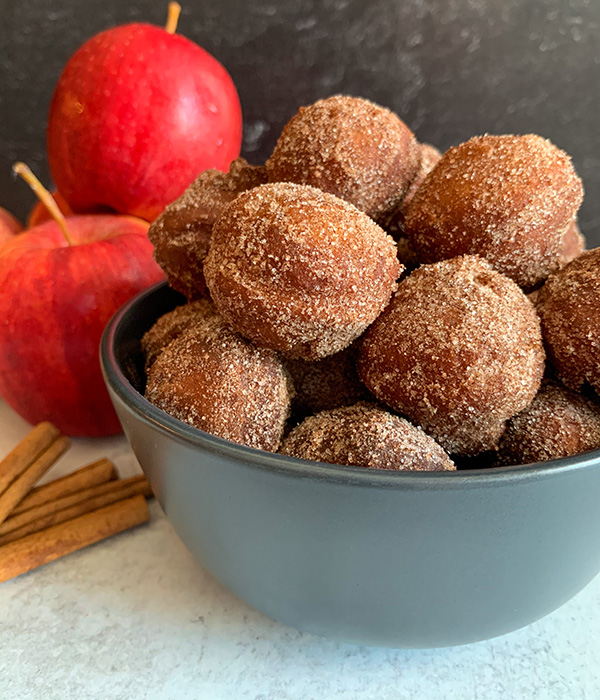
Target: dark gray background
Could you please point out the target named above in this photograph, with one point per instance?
(450, 69)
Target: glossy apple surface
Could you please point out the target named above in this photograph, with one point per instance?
(55, 300)
(136, 115)
(9, 226)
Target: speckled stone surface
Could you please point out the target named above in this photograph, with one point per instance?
(136, 618)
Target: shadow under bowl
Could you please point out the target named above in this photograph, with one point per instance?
(397, 559)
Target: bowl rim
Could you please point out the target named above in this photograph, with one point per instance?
(182, 432)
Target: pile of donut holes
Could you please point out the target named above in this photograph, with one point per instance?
(363, 299)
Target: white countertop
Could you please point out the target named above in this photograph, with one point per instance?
(135, 617)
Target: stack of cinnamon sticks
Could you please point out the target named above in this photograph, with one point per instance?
(38, 525)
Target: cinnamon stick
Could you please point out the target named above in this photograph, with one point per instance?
(91, 475)
(71, 506)
(47, 545)
(26, 452)
(18, 488)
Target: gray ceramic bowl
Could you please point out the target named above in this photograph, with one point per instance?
(393, 559)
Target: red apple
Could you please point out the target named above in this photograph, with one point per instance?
(9, 226)
(39, 212)
(55, 299)
(138, 112)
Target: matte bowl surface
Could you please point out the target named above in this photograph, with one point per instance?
(367, 556)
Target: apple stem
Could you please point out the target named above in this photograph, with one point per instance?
(173, 17)
(24, 171)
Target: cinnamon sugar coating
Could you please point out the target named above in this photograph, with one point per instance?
(365, 435)
(569, 308)
(395, 222)
(349, 147)
(557, 424)
(181, 234)
(298, 270)
(215, 380)
(430, 157)
(506, 198)
(458, 351)
(326, 384)
(172, 325)
(572, 244)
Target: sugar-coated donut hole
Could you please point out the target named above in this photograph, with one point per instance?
(299, 270)
(458, 351)
(325, 384)
(365, 435)
(181, 234)
(172, 325)
(507, 198)
(215, 380)
(558, 423)
(569, 308)
(349, 147)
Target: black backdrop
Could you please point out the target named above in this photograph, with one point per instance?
(450, 68)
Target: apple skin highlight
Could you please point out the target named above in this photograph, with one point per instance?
(137, 114)
(55, 300)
